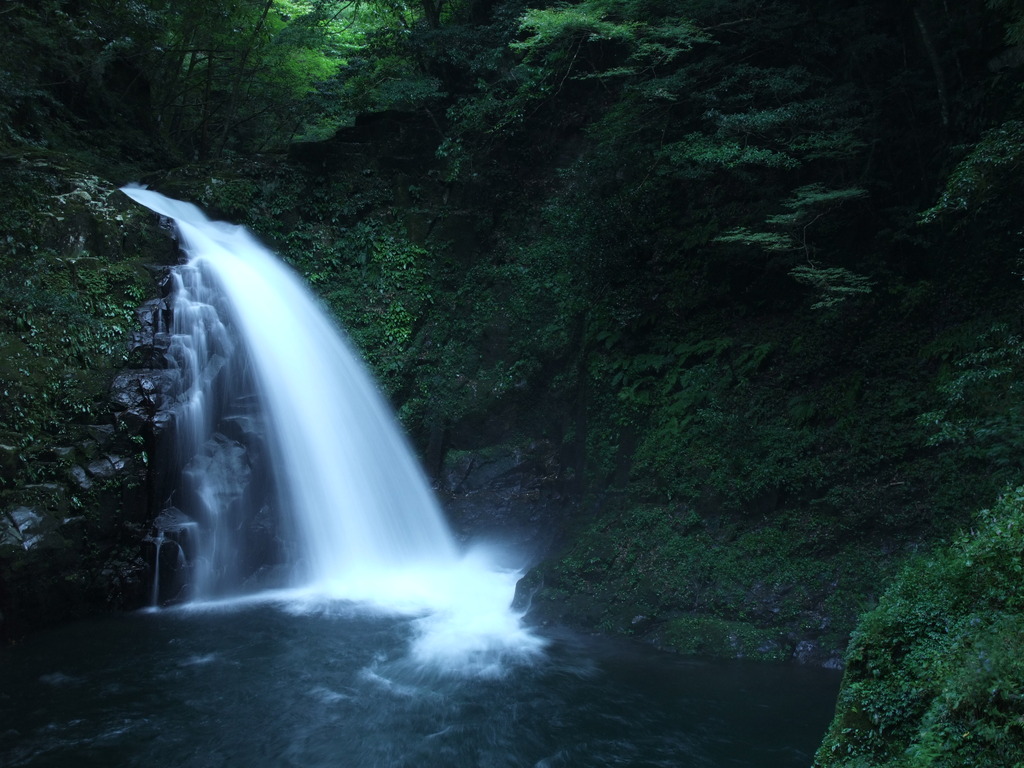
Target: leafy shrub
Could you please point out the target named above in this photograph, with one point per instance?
(935, 674)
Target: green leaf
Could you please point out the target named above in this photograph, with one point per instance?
(833, 284)
(769, 241)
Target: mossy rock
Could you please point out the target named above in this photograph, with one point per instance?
(935, 673)
(666, 575)
(712, 636)
(74, 260)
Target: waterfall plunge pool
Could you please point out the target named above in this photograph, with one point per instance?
(332, 683)
(393, 648)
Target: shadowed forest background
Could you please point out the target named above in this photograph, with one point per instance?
(727, 293)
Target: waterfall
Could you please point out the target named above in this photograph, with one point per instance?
(292, 463)
(358, 504)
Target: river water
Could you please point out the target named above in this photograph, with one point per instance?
(335, 684)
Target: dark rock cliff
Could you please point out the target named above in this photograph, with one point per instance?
(84, 393)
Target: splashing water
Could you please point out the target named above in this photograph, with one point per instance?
(365, 524)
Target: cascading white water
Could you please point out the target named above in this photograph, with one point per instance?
(366, 524)
(201, 348)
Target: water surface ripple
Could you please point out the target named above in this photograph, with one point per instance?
(336, 685)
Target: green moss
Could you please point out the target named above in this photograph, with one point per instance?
(713, 636)
(73, 258)
(68, 300)
(700, 586)
(935, 675)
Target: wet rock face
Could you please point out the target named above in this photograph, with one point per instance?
(810, 652)
(227, 491)
(71, 545)
(26, 527)
(66, 547)
(212, 483)
(141, 396)
(170, 548)
(147, 348)
(506, 494)
(75, 454)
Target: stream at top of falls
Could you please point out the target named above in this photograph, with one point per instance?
(332, 683)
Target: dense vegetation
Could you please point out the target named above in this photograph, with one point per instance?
(72, 482)
(740, 278)
(935, 671)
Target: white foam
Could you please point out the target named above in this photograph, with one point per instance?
(372, 536)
